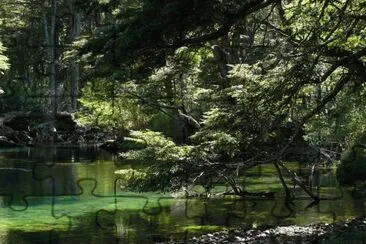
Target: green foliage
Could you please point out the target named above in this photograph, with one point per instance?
(352, 168)
(130, 178)
(281, 75)
(154, 24)
(158, 147)
(216, 145)
(342, 121)
(4, 65)
(165, 163)
(104, 107)
(229, 81)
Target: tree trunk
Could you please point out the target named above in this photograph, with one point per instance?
(74, 67)
(296, 179)
(287, 191)
(50, 34)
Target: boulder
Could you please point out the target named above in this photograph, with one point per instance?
(44, 133)
(20, 137)
(22, 121)
(42, 127)
(6, 131)
(352, 168)
(4, 142)
(65, 122)
(19, 121)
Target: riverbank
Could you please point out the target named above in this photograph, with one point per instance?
(351, 231)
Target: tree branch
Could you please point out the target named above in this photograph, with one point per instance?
(246, 9)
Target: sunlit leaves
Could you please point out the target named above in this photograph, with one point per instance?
(165, 163)
(268, 74)
(217, 144)
(341, 122)
(158, 148)
(4, 65)
(105, 107)
(332, 23)
(129, 178)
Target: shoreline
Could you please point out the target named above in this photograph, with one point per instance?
(316, 233)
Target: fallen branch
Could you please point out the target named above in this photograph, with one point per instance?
(297, 180)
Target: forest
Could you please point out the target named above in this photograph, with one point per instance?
(201, 91)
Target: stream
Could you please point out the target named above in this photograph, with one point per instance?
(72, 195)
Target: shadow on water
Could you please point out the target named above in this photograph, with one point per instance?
(69, 195)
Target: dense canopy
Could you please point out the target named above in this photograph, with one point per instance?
(209, 87)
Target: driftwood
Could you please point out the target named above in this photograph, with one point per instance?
(237, 191)
(297, 180)
(288, 193)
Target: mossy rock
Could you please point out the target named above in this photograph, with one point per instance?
(352, 168)
(17, 121)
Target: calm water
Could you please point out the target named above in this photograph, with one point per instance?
(71, 195)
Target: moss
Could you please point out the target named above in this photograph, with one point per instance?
(352, 168)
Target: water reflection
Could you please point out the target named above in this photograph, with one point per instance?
(59, 195)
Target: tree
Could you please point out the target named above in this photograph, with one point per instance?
(39, 39)
(233, 83)
(51, 40)
(4, 65)
(75, 26)
(263, 69)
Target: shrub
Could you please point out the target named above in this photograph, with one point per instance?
(352, 168)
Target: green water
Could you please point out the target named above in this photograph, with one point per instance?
(72, 195)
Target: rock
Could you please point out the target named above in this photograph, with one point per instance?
(111, 146)
(42, 127)
(23, 120)
(17, 121)
(5, 143)
(5, 131)
(21, 137)
(288, 234)
(44, 133)
(238, 239)
(65, 122)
